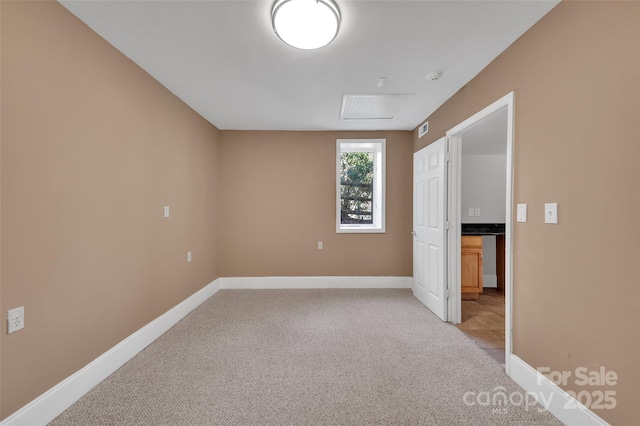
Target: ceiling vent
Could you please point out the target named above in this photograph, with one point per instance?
(372, 107)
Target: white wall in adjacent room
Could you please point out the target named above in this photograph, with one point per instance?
(484, 187)
(489, 270)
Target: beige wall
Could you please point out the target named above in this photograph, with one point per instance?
(278, 201)
(577, 126)
(92, 148)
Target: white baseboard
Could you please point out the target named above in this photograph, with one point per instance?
(553, 398)
(313, 282)
(53, 402)
(490, 281)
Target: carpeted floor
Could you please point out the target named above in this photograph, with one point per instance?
(308, 357)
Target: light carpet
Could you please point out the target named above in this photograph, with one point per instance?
(308, 357)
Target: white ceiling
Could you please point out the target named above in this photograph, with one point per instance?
(223, 59)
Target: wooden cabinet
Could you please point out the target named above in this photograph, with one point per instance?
(471, 266)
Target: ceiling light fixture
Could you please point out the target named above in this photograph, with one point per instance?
(306, 24)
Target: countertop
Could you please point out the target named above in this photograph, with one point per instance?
(483, 229)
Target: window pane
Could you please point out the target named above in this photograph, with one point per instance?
(356, 188)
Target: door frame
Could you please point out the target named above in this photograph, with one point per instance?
(455, 216)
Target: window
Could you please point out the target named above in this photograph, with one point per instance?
(360, 185)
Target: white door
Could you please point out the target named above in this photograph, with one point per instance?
(429, 232)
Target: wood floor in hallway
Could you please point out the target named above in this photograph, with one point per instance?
(483, 322)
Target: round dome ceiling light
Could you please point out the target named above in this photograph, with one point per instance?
(306, 24)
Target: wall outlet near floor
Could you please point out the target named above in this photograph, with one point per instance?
(165, 211)
(477, 212)
(15, 319)
(320, 245)
(189, 258)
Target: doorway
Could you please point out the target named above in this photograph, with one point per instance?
(480, 209)
(437, 199)
(483, 212)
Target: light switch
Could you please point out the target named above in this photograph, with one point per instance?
(521, 214)
(551, 213)
(166, 211)
(471, 212)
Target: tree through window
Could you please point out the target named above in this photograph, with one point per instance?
(360, 185)
(356, 188)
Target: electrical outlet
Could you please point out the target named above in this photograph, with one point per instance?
(15, 319)
(320, 245)
(477, 212)
(165, 211)
(471, 212)
(189, 258)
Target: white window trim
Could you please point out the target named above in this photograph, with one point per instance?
(379, 148)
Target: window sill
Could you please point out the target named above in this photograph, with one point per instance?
(360, 230)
